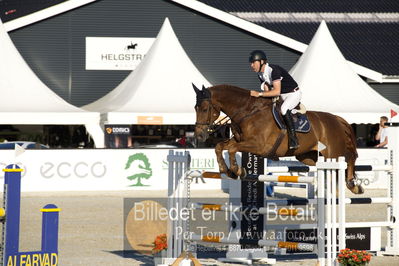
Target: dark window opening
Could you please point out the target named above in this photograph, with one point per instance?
(159, 136)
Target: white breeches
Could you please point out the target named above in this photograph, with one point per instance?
(290, 100)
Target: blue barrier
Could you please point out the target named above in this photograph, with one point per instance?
(11, 256)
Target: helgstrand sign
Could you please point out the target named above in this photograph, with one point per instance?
(116, 53)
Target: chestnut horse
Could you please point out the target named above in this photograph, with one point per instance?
(255, 131)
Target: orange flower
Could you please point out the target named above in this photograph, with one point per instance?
(160, 243)
(353, 257)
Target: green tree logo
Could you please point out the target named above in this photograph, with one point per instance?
(140, 166)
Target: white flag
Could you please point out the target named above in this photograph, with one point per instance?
(18, 150)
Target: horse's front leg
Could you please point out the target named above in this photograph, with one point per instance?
(234, 169)
(220, 147)
(245, 146)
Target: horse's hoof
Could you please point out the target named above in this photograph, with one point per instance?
(358, 189)
(231, 174)
(223, 170)
(242, 172)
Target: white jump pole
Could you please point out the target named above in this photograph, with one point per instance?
(328, 216)
(177, 191)
(334, 214)
(321, 215)
(329, 171)
(341, 204)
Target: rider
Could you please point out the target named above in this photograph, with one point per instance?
(276, 81)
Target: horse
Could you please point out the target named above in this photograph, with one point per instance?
(131, 46)
(255, 131)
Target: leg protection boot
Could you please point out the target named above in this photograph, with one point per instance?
(292, 139)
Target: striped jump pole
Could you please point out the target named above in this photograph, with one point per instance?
(307, 169)
(11, 256)
(215, 207)
(259, 242)
(280, 178)
(284, 184)
(304, 201)
(369, 168)
(263, 178)
(288, 169)
(263, 210)
(287, 212)
(313, 225)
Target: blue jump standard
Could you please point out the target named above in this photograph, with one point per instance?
(48, 256)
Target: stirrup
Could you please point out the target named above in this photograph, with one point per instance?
(293, 147)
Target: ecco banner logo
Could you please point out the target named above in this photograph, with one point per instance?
(77, 169)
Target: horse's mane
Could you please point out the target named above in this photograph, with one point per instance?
(235, 94)
(231, 89)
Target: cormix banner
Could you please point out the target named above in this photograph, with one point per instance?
(117, 136)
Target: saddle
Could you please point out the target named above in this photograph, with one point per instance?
(301, 121)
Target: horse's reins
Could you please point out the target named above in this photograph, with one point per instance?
(214, 127)
(253, 112)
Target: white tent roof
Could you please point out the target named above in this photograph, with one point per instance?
(25, 99)
(329, 84)
(237, 20)
(159, 90)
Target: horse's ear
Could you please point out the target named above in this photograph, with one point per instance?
(195, 88)
(206, 92)
(203, 87)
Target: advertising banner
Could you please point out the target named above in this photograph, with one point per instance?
(128, 169)
(362, 238)
(117, 136)
(104, 169)
(252, 194)
(115, 53)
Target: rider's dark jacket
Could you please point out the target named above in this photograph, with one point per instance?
(276, 72)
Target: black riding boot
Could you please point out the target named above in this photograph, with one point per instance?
(292, 139)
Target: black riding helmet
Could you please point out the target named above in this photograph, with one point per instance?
(257, 55)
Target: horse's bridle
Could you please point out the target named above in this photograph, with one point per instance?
(211, 125)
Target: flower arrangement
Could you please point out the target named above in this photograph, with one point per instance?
(353, 257)
(160, 244)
